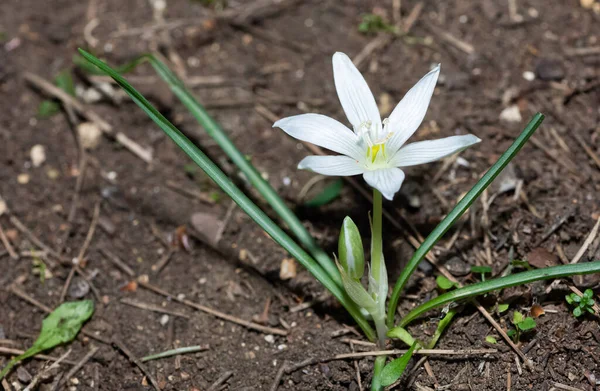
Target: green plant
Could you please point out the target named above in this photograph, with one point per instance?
(372, 23)
(61, 326)
(522, 324)
(584, 303)
(481, 270)
(344, 280)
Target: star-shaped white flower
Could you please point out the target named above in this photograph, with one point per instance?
(374, 148)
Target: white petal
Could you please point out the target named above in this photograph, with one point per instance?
(409, 113)
(322, 131)
(354, 93)
(331, 165)
(386, 180)
(430, 150)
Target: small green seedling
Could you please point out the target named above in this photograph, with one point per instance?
(522, 324)
(583, 303)
(501, 308)
(445, 284)
(482, 270)
(372, 23)
(519, 264)
(61, 326)
(491, 339)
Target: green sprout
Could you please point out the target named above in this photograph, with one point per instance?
(522, 324)
(372, 23)
(583, 304)
(445, 284)
(482, 270)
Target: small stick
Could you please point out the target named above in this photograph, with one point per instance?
(30, 299)
(430, 373)
(18, 352)
(90, 234)
(218, 314)
(34, 239)
(6, 385)
(75, 200)
(66, 99)
(7, 245)
(356, 369)
(174, 352)
(427, 352)
(222, 379)
(585, 51)
(553, 154)
(116, 342)
(81, 363)
(587, 149)
(566, 387)
(278, 376)
(554, 227)
(358, 342)
(508, 378)
(158, 266)
(586, 244)
(63, 292)
(152, 307)
(203, 197)
(33, 384)
(118, 262)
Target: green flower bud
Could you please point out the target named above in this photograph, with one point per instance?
(350, 250)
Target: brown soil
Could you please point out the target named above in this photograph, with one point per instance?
(288, 53)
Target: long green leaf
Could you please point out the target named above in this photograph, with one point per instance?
(215, 131)
(236, 194)
(458, 211)
(501, 283)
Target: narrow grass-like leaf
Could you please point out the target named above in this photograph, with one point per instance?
(458, 211)
(481, 288)
(61, 326)
(215, 173)
(214, 130)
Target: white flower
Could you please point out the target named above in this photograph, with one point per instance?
(375, 148)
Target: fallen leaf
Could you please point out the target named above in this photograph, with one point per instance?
(540, 258)
(131, 286)
(537, 311)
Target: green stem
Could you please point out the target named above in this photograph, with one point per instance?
(214, 130)
(457, 212)
(442, 326)
(376, 241)
(381, 329)
(501, 283)
(377, 369)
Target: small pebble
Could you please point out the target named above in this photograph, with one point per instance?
(549, 70)
(164, 320)
(75, 381)
(528, 75)
(269, 338)
(511, 114)
(89, 134)
(23, 179)
(23, 376)
(37, 155)
(78, 288)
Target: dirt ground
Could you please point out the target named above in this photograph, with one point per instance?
(502, 61)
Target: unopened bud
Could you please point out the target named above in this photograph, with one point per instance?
(350, 250)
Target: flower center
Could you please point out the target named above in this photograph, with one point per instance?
(374, 139)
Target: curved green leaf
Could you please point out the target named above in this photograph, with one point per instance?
(501, 283)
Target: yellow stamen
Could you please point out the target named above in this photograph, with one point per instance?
(374, 150)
